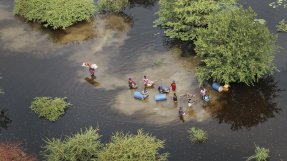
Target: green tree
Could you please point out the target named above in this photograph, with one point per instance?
(235, 48)
(181, 18)
(82, 146)
(128, 147)
(55, 13)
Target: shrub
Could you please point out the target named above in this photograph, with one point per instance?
(261, 154)
(140, 147)
(282, 26)
(197, 135)
(181, 18)
(55, 13)
(14, 151)
(235, 48)
(82, 146)
(49, 108)
(111, 5)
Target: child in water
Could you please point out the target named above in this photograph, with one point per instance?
(174, 98)
(181, 112)
(189, 102)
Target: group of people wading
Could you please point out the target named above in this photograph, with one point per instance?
(162, 89)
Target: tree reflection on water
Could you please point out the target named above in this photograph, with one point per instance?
(4, 119)
(246, 106)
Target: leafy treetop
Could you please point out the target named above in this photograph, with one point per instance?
(235, 48)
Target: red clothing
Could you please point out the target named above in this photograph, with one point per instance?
(173, 86)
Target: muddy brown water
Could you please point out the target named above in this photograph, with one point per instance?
(35, 61)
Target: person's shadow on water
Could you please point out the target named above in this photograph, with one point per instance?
(92, 81)
(181, 118)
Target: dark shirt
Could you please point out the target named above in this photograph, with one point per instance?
(174, 98)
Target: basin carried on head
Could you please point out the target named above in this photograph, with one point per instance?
(160, 97)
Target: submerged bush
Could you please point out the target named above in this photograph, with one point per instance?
(1, 92)
(261, 154)
(82, 146)
(157, 62)
(55, 13)
(197, 135)
(49, 108)
(140, 147)
(111, 5)
(282, 26)
(235, 48)
(14, 152)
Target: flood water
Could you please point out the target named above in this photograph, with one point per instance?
(35, 61)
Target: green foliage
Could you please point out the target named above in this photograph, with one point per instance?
(235, 48)
(282, 26)
(111, 5)
(82, 146)
(128, 147)
(55, 13)
(260, 20)
(86, 146)
(49, 108)
(180, 19)
(261, 154)
(157, 62)
(278, 3)
(1, 92)
(197, 135)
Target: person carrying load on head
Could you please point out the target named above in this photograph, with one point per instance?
(92, 68)
(132, 84)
